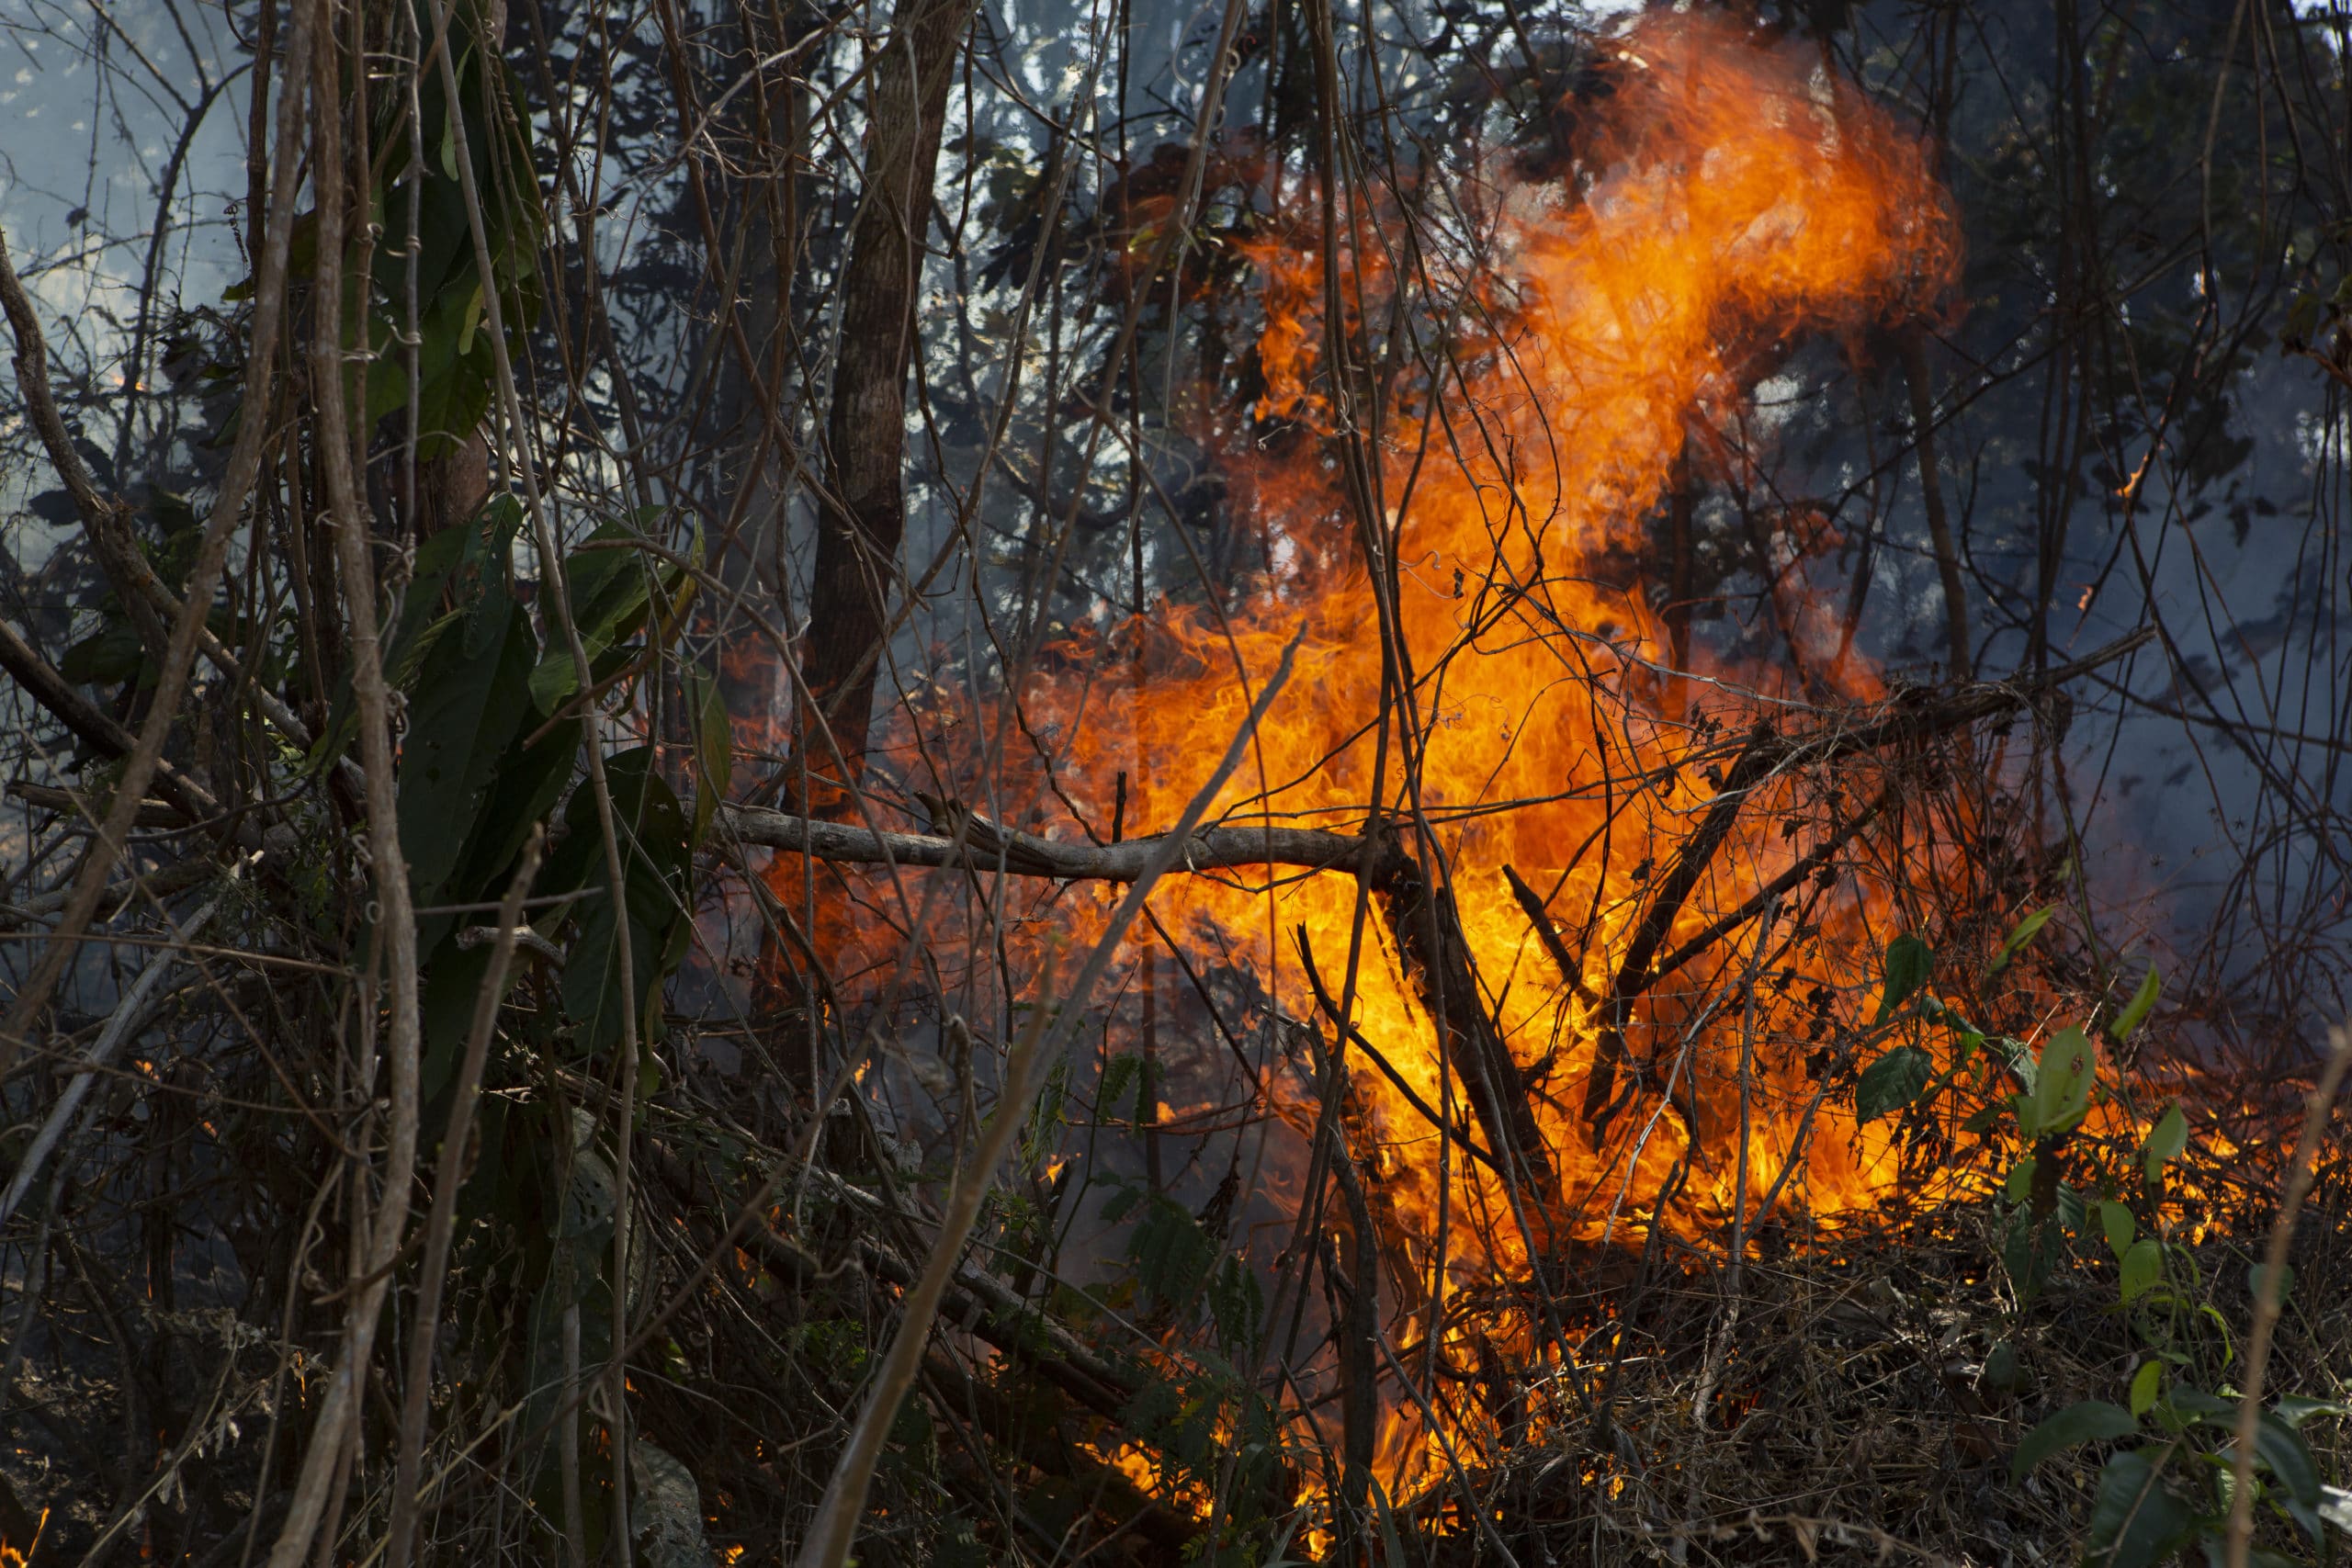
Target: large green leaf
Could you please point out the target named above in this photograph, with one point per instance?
(2062, 1087)
(466, 713)
(2166, 1141)
(2143, 1002)
(1892, 1082)
(2135, 1520)
(1909, 961)
(653, 829)
(610, 588)
(2087, 1421)
(2289, 1458)
(464, 566)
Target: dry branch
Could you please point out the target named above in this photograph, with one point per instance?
(981, 845)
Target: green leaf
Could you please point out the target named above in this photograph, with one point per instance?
(2135, 1520)
(2147, 1383)
(2143, 1002)
(528, 783)
(1892, 1082)
(1173, 1256)
(1908, 962)
(714, 749)
(1984, 1119)
(1236, 1305)
(652, 826)
(2295, 1409)
(1121, 1076)
(466, 713)
(2257, 1277)
(2166, 1141)
(2026, 929)
(609, 588)
(108, 655)
(2120, 1227)
(2143, 1265)
(2085, 1421)
(2020, 1185)
(2062, 1089)
(2196, 1404)
(2289, 1458)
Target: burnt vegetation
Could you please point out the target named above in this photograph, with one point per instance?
(1064, 784)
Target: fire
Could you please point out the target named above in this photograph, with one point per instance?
(1597, 340)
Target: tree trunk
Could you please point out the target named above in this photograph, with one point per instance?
(863, 512)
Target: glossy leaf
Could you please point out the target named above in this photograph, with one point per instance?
(2143, 1265)
(2062, 1089)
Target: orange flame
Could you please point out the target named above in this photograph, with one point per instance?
(1740, 197)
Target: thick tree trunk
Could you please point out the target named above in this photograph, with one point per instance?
(863, 510)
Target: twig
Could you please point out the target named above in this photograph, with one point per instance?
(129, 1011)
(211, 554)
(987, 847)
(396, 922)
(2301, 1170)
(448, 1176)
(837, 1516)
(92, 725)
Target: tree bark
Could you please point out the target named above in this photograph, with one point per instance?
(862, 514)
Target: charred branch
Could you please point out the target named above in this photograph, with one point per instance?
(1428, 932)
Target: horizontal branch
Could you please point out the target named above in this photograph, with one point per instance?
(985, 846)
(976, 843)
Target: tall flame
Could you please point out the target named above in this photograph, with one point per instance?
(1736, 199)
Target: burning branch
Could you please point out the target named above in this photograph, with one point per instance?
(1763, 757)
(981, 845)
(978, 844)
